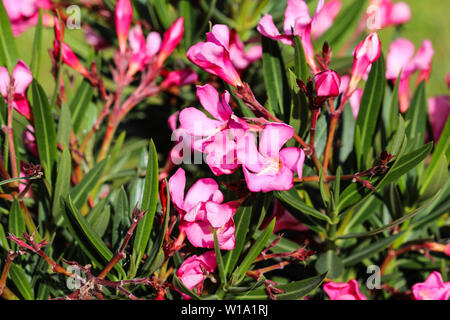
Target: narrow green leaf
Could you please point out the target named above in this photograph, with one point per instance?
(291, 198)
(64, 126)
(16, 221)
(435, 178)
(36, 50)
(292, 291)
(182, 288)
(393, 109)
(79, 104)
(22, 281)
(90, 242)
(62, 184)
(370, 250)
(242, 222)
(44, 128)
(253, 253)
(80, 192)
(392, 224)
(219, 259)
(275, 77)
(367, 119)
(99, 217)
(149, 202)
(121, 220)
(331, 263)
(8, 50)
(416, 117)
(300, 65)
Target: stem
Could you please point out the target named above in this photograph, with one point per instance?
(111, 129)
(8, 294)
(9, 260)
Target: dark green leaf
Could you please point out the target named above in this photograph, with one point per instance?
(22, 281)
(8, 51)
(36, 50)
(331, 263)
(300, 65)
(416, 117)
(182, 288)
(79, 104)
(16, 221)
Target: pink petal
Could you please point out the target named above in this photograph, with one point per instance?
(177, 184)
(293, 158)
(171, 39)
(202, 191)
(400, 13)
(218, 214)
(296, 16)
(197, 123)
(22, 77)
(399, 55)
(439, 110)
(5, 78)
(344, 290)
(324, 18)
(283, 180)
(248, 154)
(153, 44)
(273, 137)
(221, 154)
(268, 29)
(220, 35)
(209, 99)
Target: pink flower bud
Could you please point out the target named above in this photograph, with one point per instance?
(171, 39)
(123, 15)
(327, 83)
(179, 78)
(69, 58)
(365, 53)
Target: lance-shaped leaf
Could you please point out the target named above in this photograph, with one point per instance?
(292, 291)
(182, 288)
(219, 259)
(367, 119)
(331, 263)
(22, 281)
(253, 253)
(90, 242)
(16, 221)
(80, 104)
(44, 128)
(62, 184)
(149, 202)
(300, 65)
(275, 77)
(37, 45)
(8, 51)
(416, 117)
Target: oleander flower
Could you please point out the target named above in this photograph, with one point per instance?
(22, 78)
(344, 290)
(23, 14)
(433, 288)
(267, 167)
(438, 110)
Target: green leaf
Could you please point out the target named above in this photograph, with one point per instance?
(219, 259)
(8, 50)
(291, 198)
(292, 291)
(64, 126)
(162, 11)
(344, 22)
(300, 65)
(22, 281)
(392, 224)
(275, 77)
(393, 109)
(182, 288)
(435, 177)
(331, 263)
(99, 217)
(348, 134)
(370, 250)
(149, 202)
(253, 253)
(37, 45)
(242, 222)
(416, 117)
(62, 184)
(79, 104)
(16, 221)
(80, 193)
(90, 242)
(121, 220)
(44, 128)
(366, 122)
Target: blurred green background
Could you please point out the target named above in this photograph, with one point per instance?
(430, 19)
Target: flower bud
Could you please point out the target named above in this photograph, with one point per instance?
(171, 39)
(327, 83)
(69, 58)
(123, 15)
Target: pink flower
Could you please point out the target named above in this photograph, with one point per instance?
(202, 211)
(213, 56)
(69, 57)
(344, 290)
(400, 59)
(434, 288)
(365, 53)
(327, 83)
(179, 78)
(123, 14)
(325, 18)
(171, 39)
(143, 50)
(25, 13)
(297, 17)
(192, 271)
(266, 167)
(438, 110)
(384, 13)
(239, 56)
(22, 78)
